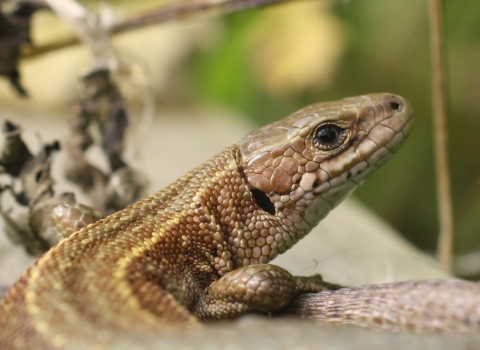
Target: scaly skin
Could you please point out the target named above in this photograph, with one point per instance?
(198, 249)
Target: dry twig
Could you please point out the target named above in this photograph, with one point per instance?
(439, 99)
(165, 14)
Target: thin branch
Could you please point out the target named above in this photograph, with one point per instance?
(175, 12)
(166, 14)
(439, 98)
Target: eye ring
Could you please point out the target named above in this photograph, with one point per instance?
(329, 136)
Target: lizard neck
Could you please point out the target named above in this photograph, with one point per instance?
(223, 221)
(246, 227)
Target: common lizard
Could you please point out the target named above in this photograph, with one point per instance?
(199, 249)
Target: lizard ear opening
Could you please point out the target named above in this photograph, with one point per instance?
(263, 201)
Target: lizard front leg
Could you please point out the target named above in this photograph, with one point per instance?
(262, 287)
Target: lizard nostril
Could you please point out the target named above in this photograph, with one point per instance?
(395, 105)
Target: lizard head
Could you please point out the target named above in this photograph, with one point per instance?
(302, 166)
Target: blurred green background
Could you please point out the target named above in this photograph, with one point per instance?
(267, 63)
(385, 48)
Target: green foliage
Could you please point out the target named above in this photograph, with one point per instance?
(224, 74)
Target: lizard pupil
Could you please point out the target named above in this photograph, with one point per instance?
(328, 134)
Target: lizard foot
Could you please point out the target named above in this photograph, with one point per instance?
(262, 287)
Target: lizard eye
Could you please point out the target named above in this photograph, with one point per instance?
(329, 136)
